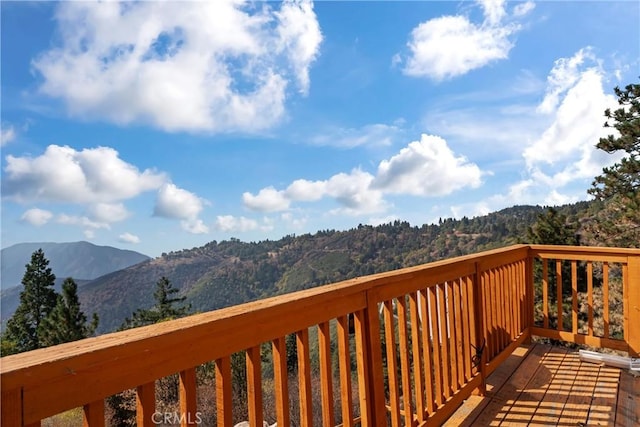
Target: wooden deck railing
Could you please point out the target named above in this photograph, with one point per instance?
(409, 345)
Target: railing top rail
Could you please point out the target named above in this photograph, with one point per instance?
(593, 250)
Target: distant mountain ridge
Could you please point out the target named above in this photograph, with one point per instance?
(230, 272)
(83, 261)
(80, 260)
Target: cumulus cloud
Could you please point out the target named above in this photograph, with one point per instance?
(81, 221)
(424, 168)
(62, 174)
(230, 223)
(128, 238)
(177, 203)
(562, 159)
(427, 168)
(181, 66)
(267, 200)
(37, 217)
(451, 46)
(109, 212)
(566, 150)
(563, 76)
(7, 134)
(99, 180)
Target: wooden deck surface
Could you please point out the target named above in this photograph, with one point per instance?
(542, 385)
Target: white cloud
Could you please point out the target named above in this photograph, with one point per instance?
(37, 217)
(99, 180)
(109, 212)
(424, 168)
(7, 134)
(177, 203)
(64, 175)
(523, 9)
(427, 168)
(369, 135)
(451, 46)
(563, 76)
(267, 200)
(355, 193)
(560, 162)
(128, 238)
(89, 234)
(566, 151)
(181, 66)
(230, 223)
(194, 226)
(493, 10)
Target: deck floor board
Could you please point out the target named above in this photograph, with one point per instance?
(543, 385)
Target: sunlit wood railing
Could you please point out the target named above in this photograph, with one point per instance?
(402, 348)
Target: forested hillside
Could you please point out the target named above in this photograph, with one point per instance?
(225, 273)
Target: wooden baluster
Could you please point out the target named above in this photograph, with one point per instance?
(405, 367)
(304, 378)
(93, 414)
(145, 404)
(459, 330)
(254, 385)
(188, 400)
(427, 333)
(437, 360)
(560, 325)
(444, 339)
(453, 349)
(545, 294)
(224, 403)
(280, 376)
(574, 296)
(344, 359)
(416, 325)
(468, 327)
(326, 384)
(392, 363)
(590, 296)
(605, 298)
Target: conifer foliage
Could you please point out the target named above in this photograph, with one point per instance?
(37, 300)
(43, 317)
(618, 187)
(66, 322)
(167, 307)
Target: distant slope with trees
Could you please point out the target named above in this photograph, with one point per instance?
(221, 274)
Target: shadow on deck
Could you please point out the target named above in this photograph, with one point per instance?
(543, 385)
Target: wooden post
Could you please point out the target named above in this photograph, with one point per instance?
(93, 414)
(478, 314)
(188, 405)
(633, 303)
(369, 349)
(145, 404)
(223, 391)
(11, 408)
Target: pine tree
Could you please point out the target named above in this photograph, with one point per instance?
(552, 228)
(66, 322)
(37, 300)
(618, 187)
(164, 308)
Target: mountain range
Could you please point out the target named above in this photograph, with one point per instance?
(83, 261)
(220, 274)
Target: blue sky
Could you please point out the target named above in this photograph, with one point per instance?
(160, 126)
